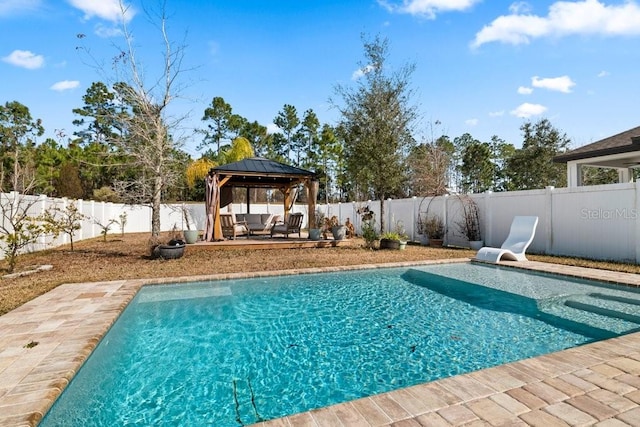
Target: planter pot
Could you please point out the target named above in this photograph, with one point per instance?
(436, 243)
(339, 233)
(170, 251)
(315, 233)
(190, 236)
(424, 239)
(476, 244)
(389, 244)
(403, 244)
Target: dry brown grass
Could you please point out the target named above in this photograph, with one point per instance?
(125, 258)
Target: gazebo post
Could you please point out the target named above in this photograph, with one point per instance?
(287, 201)
(217, 227)
(312, 195)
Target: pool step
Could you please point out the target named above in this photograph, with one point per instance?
(612, 306)
(595, 312)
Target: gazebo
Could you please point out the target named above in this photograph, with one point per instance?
(255, 172)
(621, 152)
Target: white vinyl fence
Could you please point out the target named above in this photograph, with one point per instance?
(596, 222)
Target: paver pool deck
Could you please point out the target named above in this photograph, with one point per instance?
(44, 342)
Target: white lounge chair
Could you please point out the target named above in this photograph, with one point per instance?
(523, 229)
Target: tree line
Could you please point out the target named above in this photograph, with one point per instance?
(88, 165)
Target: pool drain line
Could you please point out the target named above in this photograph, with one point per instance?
(237, 402)
(235, 398)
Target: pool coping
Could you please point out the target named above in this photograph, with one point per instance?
(44, 342)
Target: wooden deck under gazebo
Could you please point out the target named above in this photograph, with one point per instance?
(267, 242)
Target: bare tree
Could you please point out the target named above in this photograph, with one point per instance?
(428, 165)
(63, 220)
(150, 138)
(19, 228)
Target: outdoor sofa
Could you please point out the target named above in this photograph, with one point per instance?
(258, 223)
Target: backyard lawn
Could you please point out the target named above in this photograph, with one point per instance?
(125, 257)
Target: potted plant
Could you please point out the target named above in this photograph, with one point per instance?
(338, 230)
(434, 229)
(369, 232)
(315, 229)
(402, 234)
(190, 236)
(469, 225)
(173, 249)
(421, 229)
(390, 240)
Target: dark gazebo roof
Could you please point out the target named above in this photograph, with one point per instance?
(261, 172)
(624, 142)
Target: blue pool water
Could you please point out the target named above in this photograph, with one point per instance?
(232, 353)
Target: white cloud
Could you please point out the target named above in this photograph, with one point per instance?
(561, 84)
(104, 9)
(519, 8)
(361, 72)
(564, 18)
(603, 73)
(426, 8)
(527, 110)
(106, 31)
(65, 85)
(12, 7)
(24, 59)
(496, 113)
(273, 128)
(472, 122)
(523, 90)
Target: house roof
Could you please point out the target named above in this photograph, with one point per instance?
(261, 172)
(624, 142)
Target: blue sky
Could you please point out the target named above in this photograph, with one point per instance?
(482, 67)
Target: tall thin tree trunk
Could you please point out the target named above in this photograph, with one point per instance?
(155, 207)
(383, 222)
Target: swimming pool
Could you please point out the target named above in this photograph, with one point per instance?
(231, 353)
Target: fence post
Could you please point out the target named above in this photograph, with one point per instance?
(80, 208)
(63, 208)
(356, 218)
(92, 214)
(488, 222)
(635, 214)
(42, 239)
(446, 220)
(413, 218)
(548, 223)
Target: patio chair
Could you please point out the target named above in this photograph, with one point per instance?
(290, 226)
(523, 229)
(232, 228)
